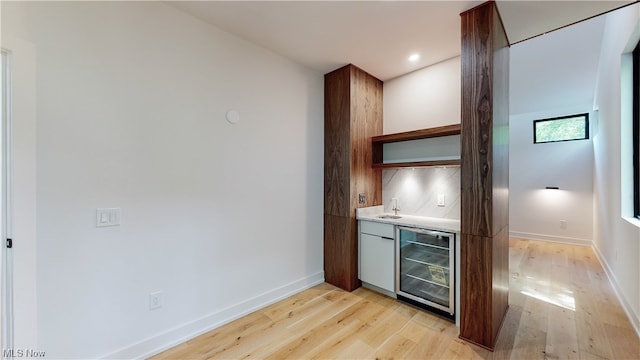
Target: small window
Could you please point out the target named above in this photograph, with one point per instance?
(566, 128)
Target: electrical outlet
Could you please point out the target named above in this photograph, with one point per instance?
(156, 300)
(108, 217)
(362, 198)
(441, 200)
(563, 224)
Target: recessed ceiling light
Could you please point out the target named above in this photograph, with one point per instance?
(414, 57)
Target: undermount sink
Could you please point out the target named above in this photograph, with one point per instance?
(390, 217)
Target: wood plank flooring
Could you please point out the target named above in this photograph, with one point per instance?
(561, 307)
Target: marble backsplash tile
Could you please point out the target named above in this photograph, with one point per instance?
(417, 191)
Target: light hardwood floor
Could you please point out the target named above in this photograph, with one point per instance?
(561, 307)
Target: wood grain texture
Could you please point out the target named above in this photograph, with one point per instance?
(341, 252)
(416, 164)
(484, 175)
(353, 114)
(446, 130)
(476, 173)
(366, 122)
(500, 120)
(499, 281)
(329, 323)
(476, 307)
(337, 142)
(500, 187)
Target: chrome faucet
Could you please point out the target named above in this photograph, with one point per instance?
(395, 208)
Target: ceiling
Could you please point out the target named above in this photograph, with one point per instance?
(378, 36)
(557, 71)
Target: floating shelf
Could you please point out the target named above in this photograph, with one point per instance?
(416, 164)
(377, 143)
(417, 134)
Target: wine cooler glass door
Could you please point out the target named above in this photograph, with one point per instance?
(426, 267)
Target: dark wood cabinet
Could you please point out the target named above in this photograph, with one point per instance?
(484, 169)
(352, 116)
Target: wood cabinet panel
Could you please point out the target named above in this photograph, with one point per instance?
(500, 281)
(341, 252)
(500, 127)
(337, 143)
(476, 309)
(476, 174)
(366, 122)
(353, 114)
(484, 286)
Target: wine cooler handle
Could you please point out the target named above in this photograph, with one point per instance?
(429, 232)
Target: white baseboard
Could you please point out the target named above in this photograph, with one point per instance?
(550, 238)
(633, 318)
(165, 340)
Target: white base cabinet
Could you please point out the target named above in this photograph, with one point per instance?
(377, 255)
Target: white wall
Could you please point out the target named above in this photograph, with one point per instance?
(221, 218)
(550, 76)
(616, 239)
(425, 98)
(535, 212)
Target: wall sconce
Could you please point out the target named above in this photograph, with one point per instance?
(552, 188)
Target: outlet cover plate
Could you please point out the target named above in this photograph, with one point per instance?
(108, 217)
(156, 300)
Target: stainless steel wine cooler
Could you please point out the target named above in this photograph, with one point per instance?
(425, 273)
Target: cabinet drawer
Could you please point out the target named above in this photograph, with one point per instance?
(376, 228)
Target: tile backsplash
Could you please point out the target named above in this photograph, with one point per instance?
(417, 191)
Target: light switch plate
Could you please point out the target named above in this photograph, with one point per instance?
(108, 217)
(156, 300)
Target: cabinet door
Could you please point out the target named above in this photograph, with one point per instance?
(377, 261)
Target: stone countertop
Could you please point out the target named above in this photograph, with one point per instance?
(373, 213)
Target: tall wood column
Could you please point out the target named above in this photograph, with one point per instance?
(352, 116)
(484, 245)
